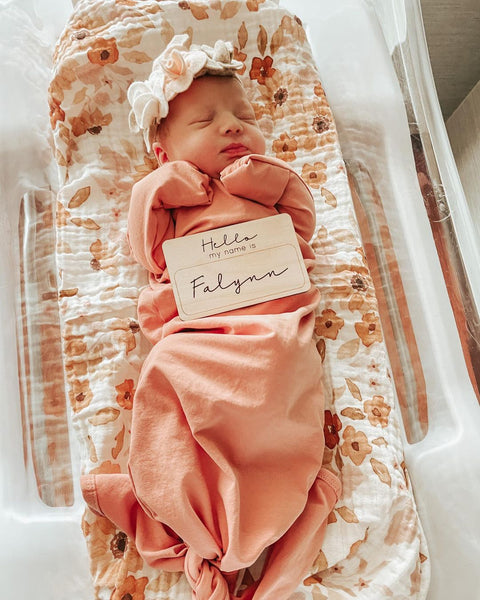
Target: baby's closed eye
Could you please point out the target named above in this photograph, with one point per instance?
(202, 119)
(247, 117)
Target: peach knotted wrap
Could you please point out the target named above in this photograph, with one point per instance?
(227, 428)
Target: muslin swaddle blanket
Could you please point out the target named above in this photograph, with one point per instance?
(373, 545)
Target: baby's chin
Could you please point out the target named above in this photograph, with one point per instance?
(219, 167)
(230, 159)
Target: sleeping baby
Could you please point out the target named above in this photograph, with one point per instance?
(227, 439)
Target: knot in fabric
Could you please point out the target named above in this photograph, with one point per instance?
(205, 579)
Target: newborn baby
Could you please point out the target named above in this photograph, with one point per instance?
(227, 431)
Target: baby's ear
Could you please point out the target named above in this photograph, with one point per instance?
(160, 153)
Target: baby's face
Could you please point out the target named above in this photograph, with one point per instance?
(210, 125)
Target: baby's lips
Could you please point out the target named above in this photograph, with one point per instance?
(235, 148)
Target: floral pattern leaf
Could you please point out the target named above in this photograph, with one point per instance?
(380, 441)
(321, 347)
(353, 413)
(277, 40)
(381, 470)
(262, 38)
(348, 349)
(230, 9)
(119, 439)
(330, 199)
(85, 223)
(132, 38)
(198, 11)
(80, 197)
(80, 96)
(92, 451)
(68, 293)
(104, 416)
(354, 389)
(347, 514)
(339, 461)
(321, 563)
(137, 57)
(242, 36)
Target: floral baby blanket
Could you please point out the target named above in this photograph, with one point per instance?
(374, 547)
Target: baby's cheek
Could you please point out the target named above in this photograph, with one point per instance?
(260, 145)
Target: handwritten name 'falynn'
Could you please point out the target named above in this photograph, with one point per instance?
(198, 283)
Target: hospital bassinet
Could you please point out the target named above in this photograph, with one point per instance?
(396, 264)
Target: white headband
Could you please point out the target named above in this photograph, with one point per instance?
(172, 73)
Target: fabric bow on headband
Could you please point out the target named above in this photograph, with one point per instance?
(172, 73)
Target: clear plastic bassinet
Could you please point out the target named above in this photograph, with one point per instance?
(420, 243)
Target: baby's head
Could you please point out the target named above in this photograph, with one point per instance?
(211, 124)
(194, 108)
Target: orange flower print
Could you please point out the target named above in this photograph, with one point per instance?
(253, 5)
(102, 536)
(321, 123)
(359, 283)
(285, 147)
(118, 544)
(314, 175)
(98, 534)
(262, 69)
(122, 549)
(328, 324)
(377, 411)
(355, 445)
(103, 51)
(90, 121)
(355, 289)
(125, 394)
(331, 428)
(56, 112)
(130, 589)
(280, 96)
(80, 395)
(104, 256)
(368, 329)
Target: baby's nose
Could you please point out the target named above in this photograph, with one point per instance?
(231, 125)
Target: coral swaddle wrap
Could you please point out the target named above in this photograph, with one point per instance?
(227, 430)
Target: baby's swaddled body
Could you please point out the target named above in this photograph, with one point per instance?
(227, 432)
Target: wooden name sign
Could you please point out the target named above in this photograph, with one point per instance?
(234, 266)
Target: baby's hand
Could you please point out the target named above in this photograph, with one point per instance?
(181, 184)
(257, 178)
